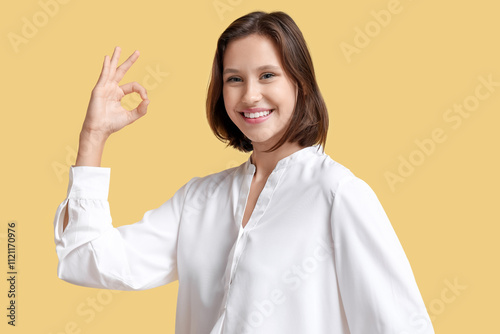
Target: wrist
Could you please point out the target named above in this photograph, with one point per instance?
(91, 147)
(92, 137)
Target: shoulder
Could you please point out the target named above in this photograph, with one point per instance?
(334, 177)
(203, 185)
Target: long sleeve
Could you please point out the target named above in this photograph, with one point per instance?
(378, 290)
(94, 253)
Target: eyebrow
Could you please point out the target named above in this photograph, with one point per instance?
(260, 68)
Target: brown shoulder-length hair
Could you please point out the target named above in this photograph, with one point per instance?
(309, 122)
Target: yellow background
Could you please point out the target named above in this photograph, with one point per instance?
(394, 91)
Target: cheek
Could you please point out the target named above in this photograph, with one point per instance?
(228, 99)
(229, 104)
(282, 97)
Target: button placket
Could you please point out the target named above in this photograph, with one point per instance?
(240, 246)
(230, 271)
(239, 243)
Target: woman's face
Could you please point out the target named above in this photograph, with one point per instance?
(254, 78)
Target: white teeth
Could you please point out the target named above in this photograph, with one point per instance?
(257, 114)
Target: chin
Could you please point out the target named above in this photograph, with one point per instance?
(260, 140)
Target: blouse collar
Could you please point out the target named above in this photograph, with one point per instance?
(292, 158)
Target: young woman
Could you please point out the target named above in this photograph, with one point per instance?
(290, 241)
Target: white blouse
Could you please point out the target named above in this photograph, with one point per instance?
(318, 254)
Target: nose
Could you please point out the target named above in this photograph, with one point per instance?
(252, 93)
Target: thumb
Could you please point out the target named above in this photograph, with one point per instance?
(140, 111)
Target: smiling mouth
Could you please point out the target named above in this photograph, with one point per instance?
(257, 114)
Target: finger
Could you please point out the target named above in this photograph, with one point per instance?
(114, 62)
(104, 71)
(123, 68)
(132, 87)
(140, 111)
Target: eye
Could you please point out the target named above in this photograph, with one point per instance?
(268, 74)
(233, 79)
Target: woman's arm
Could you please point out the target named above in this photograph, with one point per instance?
(378, 290)
(105, 115)
(90, 152)
(94, 253)
(83, 222)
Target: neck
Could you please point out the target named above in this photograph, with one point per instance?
(265, 162)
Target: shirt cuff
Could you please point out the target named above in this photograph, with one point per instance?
(88, 182)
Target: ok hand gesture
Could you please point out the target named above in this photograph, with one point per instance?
(105, 114)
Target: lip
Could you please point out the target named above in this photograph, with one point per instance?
(258, 119)
(250, 110)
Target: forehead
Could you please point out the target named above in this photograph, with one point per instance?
(252, 50)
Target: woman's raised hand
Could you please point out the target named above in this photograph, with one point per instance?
(105, 113)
